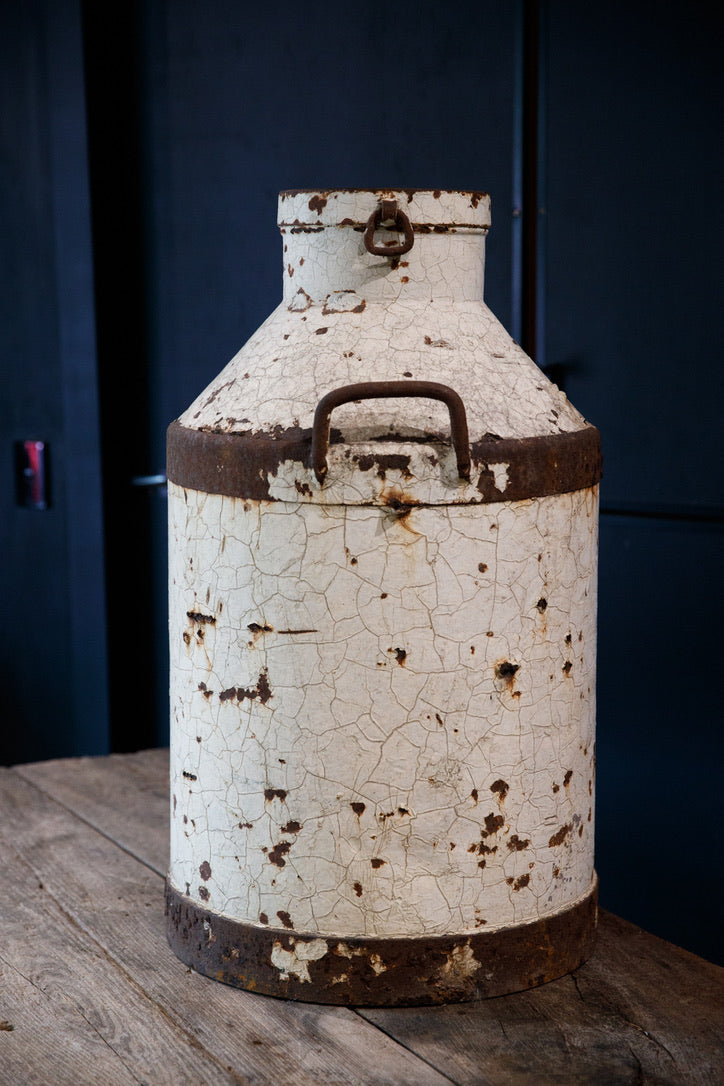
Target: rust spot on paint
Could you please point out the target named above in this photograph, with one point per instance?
(320, 331)
(519, 883)
(493, 823)
(256, 628)
(261, 692)
(568, 639)
(567, 667)
(482, 568)
(205, 870)
(501, 788)
(318, 203)
(190, 776)
(567, 778)
(285, 919)
(204, 893)
(358, 889)
(400, 655)
(377, 862)
(263, 918)
(358, 808)
(438, 718)
(474, 795)
(275, 793)
(246, 826)
(556, 788)
(197, 616)
(542, 604)
(277, 854)
(481, 848)
(559, 837)
(385, 462)
(292, 827)
(506, 671)
(516, 845)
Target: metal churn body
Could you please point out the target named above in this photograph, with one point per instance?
(383, 547)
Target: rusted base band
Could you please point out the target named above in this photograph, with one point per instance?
(383, 972)
(238, 465)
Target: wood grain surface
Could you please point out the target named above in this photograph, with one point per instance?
(91, 993)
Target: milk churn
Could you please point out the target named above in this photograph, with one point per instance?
(383, 549)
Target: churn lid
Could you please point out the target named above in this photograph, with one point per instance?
(381, 368)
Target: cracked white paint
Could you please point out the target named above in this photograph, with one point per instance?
(422, 317)
(382, 719)
(365, 692)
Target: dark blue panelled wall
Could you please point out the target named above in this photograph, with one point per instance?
(143, 147)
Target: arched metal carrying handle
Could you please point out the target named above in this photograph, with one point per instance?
(372, 390)
(387, 210)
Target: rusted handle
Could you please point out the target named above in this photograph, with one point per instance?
(373, 390)
(387, 210)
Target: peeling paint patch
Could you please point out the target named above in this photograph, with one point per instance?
(374, 960)
(460, 964)
(500, 475)
(295, 962)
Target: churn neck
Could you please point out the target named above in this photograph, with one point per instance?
(376, 244)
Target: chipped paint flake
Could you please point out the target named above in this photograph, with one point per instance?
(500, 475)
(461, 963)
(295, 962)
(373, 960)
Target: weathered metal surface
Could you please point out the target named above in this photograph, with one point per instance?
(383, 715)
(386, 213)
(383, 698)
(245, 465)
(376, 390)
(368, 972)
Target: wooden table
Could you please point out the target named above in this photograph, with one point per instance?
(90, 992)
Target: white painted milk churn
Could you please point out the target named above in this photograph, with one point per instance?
(383, 549)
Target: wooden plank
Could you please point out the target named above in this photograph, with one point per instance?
(116, 903)
(72, 1015)
(640, 1010)
(43, 1040)
(124, 796)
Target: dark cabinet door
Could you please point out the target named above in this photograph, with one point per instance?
(53, 695)
(632, 226)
